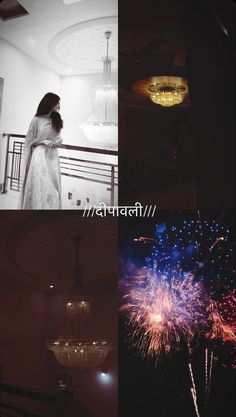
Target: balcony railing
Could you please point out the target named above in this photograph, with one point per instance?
(62, 404)
(75, 167)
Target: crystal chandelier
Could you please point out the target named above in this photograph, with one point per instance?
(166, 91)
(102, 125)
(80, 347)
(80, 353)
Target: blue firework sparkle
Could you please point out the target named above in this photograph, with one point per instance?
(191, 245)
(203, 246)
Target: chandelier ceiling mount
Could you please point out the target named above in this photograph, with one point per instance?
(101, 127)
(82, 348)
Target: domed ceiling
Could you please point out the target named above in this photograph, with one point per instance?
(83, 45)
(66, 37)
(38, 249)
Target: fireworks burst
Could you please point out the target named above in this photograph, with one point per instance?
(179, 291)
(201, 246)
(185, 292)
(163, 310)
(227, 310)
(221, 326)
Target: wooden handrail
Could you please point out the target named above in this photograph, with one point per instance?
(63, 403)
(23, 392)
(13, 135)
(73, 147)
(18, 410)
(13, 157)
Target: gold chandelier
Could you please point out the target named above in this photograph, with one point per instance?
(80, 347)
(166, 91)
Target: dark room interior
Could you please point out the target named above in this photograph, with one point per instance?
(37, 277)
(180, 156)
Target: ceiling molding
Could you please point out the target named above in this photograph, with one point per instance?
(39, 250)
(83, 45)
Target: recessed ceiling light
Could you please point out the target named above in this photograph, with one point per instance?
(31, 41)
(51, 286)
(71, 1)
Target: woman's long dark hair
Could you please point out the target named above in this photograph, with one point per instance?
(47, 103)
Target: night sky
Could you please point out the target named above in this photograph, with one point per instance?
(164, 385)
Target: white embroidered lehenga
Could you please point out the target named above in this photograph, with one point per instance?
(40, 171)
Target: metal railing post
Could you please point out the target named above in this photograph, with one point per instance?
(4, 191)
(80, 168)
(112, 185)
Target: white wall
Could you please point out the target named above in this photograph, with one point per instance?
(25, 83)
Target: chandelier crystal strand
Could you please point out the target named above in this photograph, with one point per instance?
(79, 347)
(78, 353)
(102, 125)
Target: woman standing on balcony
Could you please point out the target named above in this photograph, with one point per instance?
(40, 173)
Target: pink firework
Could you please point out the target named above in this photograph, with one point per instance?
(222, 319)
(227, 309)
(163, 311)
